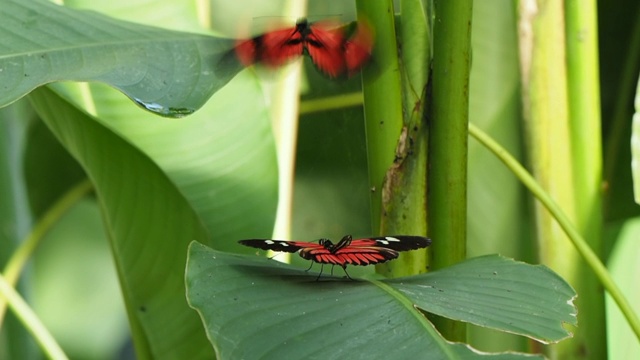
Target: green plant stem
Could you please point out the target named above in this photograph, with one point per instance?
(447, 170)
(404, 190)
(584, 108)
(562, 128)
(16, 263)
(585, 136)
(47, 343)
(448, 132)
(330, 103)
(563, 220)
(381, 87)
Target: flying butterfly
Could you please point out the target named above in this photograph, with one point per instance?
(347, 251)
(337, 50)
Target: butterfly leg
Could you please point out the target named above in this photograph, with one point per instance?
(321, 267)
(309, 267)
(345, 271)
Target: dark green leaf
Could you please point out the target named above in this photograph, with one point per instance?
(499, 293)
(149, 223)
(258, 308)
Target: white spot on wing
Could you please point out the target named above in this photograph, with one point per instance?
(387, 240)
(270, 242)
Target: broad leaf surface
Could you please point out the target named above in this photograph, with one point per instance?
(149, 223)
(258, 308)
(494, 106)
(43, 156)
(222, 157)
(15, 218)
(168, 72)
(498, 293)
(625, 269)
(88, 321)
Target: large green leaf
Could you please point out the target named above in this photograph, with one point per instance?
(498, 293)
(168, 72)
(149, 223)
(258, 308)
(222, 157)
(14, 218)
(494, 106)
(623, 263)
(88, 321)
(44, 156)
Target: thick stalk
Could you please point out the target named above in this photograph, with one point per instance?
(447, 177)
(404, 192)
(382, 99)
(558, 135)
(586, 152)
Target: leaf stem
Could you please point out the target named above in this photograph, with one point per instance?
(331, 103)
(16, 263)
(31, 322)
(563, 220)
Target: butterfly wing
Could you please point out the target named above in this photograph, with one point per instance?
(347, 252)
(279, 245)
(378, 250)
(395, 242)
(280, 47)
(272, 49)
(365, 255)
(324, 256)
(357, 49)
(324, 43)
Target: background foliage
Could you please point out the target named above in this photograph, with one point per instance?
(160, 183)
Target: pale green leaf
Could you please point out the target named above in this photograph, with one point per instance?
(625, 269)
(168, 72)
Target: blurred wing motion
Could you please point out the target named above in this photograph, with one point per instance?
(334, 50)
(347, 251)
(272, 49)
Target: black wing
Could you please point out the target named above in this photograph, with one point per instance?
(399, 242)
(279, 245)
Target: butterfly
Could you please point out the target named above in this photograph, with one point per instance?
(336, 50)
(347, 251)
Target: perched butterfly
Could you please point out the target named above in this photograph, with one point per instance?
(347, 251)
(335, 49)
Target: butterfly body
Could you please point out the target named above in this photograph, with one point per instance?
(332, 50)
(347, 251)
